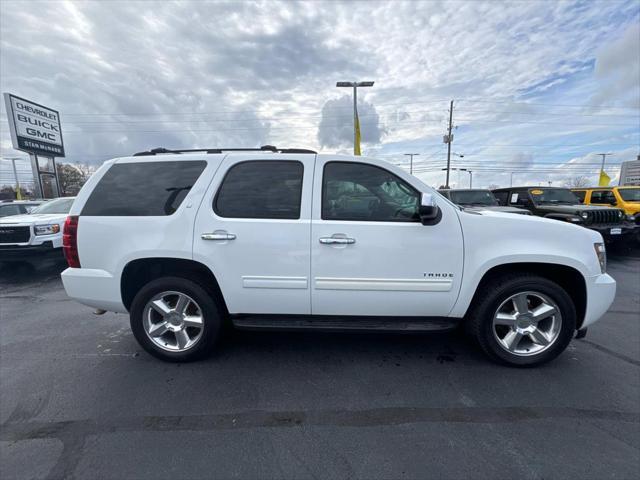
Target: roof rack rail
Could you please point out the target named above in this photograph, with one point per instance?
(264, 148)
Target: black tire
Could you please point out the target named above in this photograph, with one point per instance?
(493, 293)
(211, 313)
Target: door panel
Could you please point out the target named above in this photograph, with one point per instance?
(396, 268)
(265, 267)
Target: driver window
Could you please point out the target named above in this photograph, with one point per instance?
(357, 191)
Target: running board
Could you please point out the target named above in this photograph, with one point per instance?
(340, 323)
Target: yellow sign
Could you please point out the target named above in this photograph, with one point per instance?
(537, 192)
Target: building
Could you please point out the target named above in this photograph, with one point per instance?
(630, 172)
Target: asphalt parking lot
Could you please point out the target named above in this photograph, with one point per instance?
(79, 399)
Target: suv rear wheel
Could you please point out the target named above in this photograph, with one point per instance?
(175, 319)
(523, 320)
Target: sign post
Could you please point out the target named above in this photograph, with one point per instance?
(36, 129)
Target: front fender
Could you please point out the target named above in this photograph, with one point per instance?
(494, 239)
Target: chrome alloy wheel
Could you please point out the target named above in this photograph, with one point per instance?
(527, 323)
(173, 321)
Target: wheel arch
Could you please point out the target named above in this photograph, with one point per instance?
(141, 271)
(569, 278)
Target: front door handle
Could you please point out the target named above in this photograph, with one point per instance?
(337, 241)
(218, 235)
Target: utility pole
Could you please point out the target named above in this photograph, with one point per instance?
(449, 139)
(411, 155)
(355, 85)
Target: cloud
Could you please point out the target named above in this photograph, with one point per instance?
(336, 125)
(617, 69)
(128, 76)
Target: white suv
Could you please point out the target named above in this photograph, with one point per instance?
(186, 241)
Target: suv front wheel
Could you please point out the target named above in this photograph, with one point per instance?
(175, 319)
(523, 320)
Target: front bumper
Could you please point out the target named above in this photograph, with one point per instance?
(23, 252)
(94, 288)
(601, 290)
(626, 230)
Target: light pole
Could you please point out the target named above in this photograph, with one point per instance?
(470, 172)
(356, 127)
(411, 155)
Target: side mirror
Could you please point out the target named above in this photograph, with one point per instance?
(429, 212)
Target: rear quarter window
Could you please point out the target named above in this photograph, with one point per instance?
(143, 189)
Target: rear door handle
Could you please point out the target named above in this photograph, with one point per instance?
(337, 241)
(218, 235)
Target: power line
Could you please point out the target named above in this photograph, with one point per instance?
(412, 102)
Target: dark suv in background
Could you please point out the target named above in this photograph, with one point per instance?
(479, 199)
(562, 204)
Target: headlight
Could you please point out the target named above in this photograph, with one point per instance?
(620, 213)
(601, 253)
(584, 215)
(46, 229)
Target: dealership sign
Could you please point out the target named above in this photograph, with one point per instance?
(34, 127)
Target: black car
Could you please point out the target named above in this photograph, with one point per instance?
(562, 204)
(479, 199)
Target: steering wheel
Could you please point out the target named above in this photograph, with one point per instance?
(400, 210)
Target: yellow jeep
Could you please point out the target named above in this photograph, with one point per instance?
(626, 198)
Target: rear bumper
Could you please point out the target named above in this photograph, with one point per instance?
(25, 252)
(601, 290)
(94, 288)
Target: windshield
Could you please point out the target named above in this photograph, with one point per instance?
(59, 205)
(554, 195)
(473, 197)
(630, 194)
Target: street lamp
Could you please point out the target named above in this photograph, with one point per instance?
(355, 85)
(411, 155)
(470, 172)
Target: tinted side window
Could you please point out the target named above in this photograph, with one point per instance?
(580, 194)
(6, 210)
(603, 196)
(143, 189)
(501, 197)
(261, 189)
(519, 197)
(357, 191)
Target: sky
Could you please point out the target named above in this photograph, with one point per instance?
(539, 87)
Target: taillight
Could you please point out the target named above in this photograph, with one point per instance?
(70, 241)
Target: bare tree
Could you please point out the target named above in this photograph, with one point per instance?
(73, 176)
(578, 181)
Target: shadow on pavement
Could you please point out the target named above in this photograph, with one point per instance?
(19, 272)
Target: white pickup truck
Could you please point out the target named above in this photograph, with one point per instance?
(186, 241)
(34, 234)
